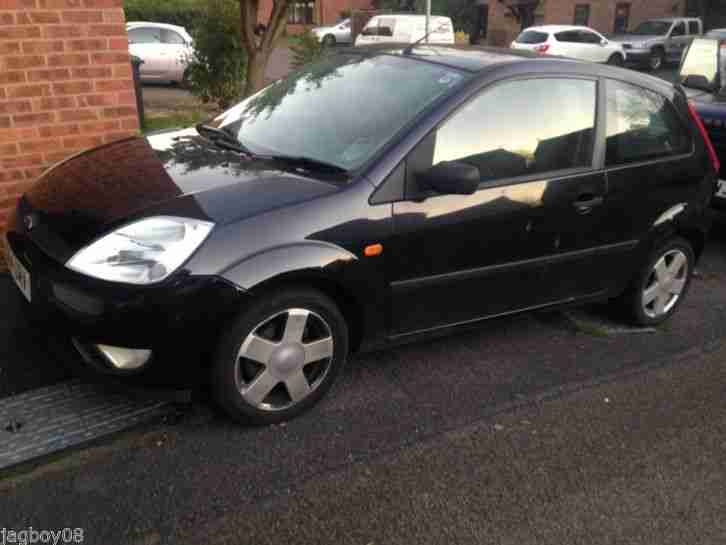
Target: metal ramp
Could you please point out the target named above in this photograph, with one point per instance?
(64, 415)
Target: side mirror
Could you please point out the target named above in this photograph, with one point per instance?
(604, 42)
(452, 178)
(697, 81)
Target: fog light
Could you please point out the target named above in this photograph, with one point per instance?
(125, 359)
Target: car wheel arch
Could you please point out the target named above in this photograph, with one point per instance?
(317, 265)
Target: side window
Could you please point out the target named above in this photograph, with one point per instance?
(171, 37)
(145, 36)
(386, 26)
(679, 30)
(522, 127)
(694, 28)
(568, 37)
(589, 38)
(642, 125)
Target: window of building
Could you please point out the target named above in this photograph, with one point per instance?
(582, 14)
(523, 127)
(301, 13)
(622, 17)
(641, 125)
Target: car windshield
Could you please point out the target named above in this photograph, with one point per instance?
(653, 28)
(340, 110)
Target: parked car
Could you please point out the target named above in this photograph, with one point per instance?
(336, 34)
(406, 29)
(716, 34)
(577, 42)
(703, 78)
(165, 50)
(262, 249)
(657, 41)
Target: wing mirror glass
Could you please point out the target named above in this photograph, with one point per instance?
(452, 178)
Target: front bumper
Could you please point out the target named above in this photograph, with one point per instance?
(178, 320)
(637, 56)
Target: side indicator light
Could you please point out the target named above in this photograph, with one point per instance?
(373, 250)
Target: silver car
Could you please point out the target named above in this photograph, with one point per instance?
(336, 34)
(165, 50)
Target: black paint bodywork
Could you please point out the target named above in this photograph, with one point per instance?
(448, 259)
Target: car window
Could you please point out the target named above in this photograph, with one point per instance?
(145, 36)
(653, 28)
(641, 125)
(694, 28)
(522, 127)
(171, 37)
(532, 37)
(309, 113)
(589, 37)
(679, 30)
(386, 26)
(570, 36)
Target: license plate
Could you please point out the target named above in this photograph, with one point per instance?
(20, 274)
(721, 189)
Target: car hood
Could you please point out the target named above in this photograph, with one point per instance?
(173, 173)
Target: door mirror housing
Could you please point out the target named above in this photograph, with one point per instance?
(604, 42)
(452, 178)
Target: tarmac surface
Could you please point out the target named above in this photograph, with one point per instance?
(525, 430)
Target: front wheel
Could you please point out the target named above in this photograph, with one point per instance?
(616, 60)
(329, 40)
(280, 357)
(662, 284)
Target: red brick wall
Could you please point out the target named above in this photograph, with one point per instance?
(65, 85)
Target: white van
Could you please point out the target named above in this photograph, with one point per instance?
(406, 29)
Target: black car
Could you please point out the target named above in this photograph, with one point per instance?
(374, 197)
(703, 76)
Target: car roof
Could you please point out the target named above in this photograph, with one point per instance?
(136, 24)
(673, 19)
(557, 28)
(480, 60)
(409, 16)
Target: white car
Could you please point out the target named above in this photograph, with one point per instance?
(577, 42)
(165, 50)
(335, 34)
(404, 29)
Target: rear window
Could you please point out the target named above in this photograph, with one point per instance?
(532, 37)
(642, 125)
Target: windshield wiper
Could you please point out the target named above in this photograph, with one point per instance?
(223, 137)
(308, 163)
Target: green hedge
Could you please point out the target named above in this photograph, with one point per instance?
(174, 12)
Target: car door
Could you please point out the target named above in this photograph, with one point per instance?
(567, 44)
(146, 43)
(458, 258)
(651, 169)
(592, 44)
(176, 54)
(677, 41)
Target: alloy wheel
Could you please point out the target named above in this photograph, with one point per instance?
(656, 61)
(284, 359)
(665, 284)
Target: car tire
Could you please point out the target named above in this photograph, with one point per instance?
(661, 285)
(616, 59)
(279, 357)
(329, 40)
(657, 60)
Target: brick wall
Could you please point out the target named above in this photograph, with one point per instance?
(65, 85)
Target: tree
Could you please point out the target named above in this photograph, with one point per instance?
(259, 40)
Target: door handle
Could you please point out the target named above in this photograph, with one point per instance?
(585, 203)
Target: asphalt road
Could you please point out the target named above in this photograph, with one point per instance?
(525, 430)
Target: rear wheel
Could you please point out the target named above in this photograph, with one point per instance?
(615, 59)
(280, 357)
(657, 59)
(662, 283)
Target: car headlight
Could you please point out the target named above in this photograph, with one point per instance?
(142, 252)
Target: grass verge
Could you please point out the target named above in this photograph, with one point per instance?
(174, 121)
